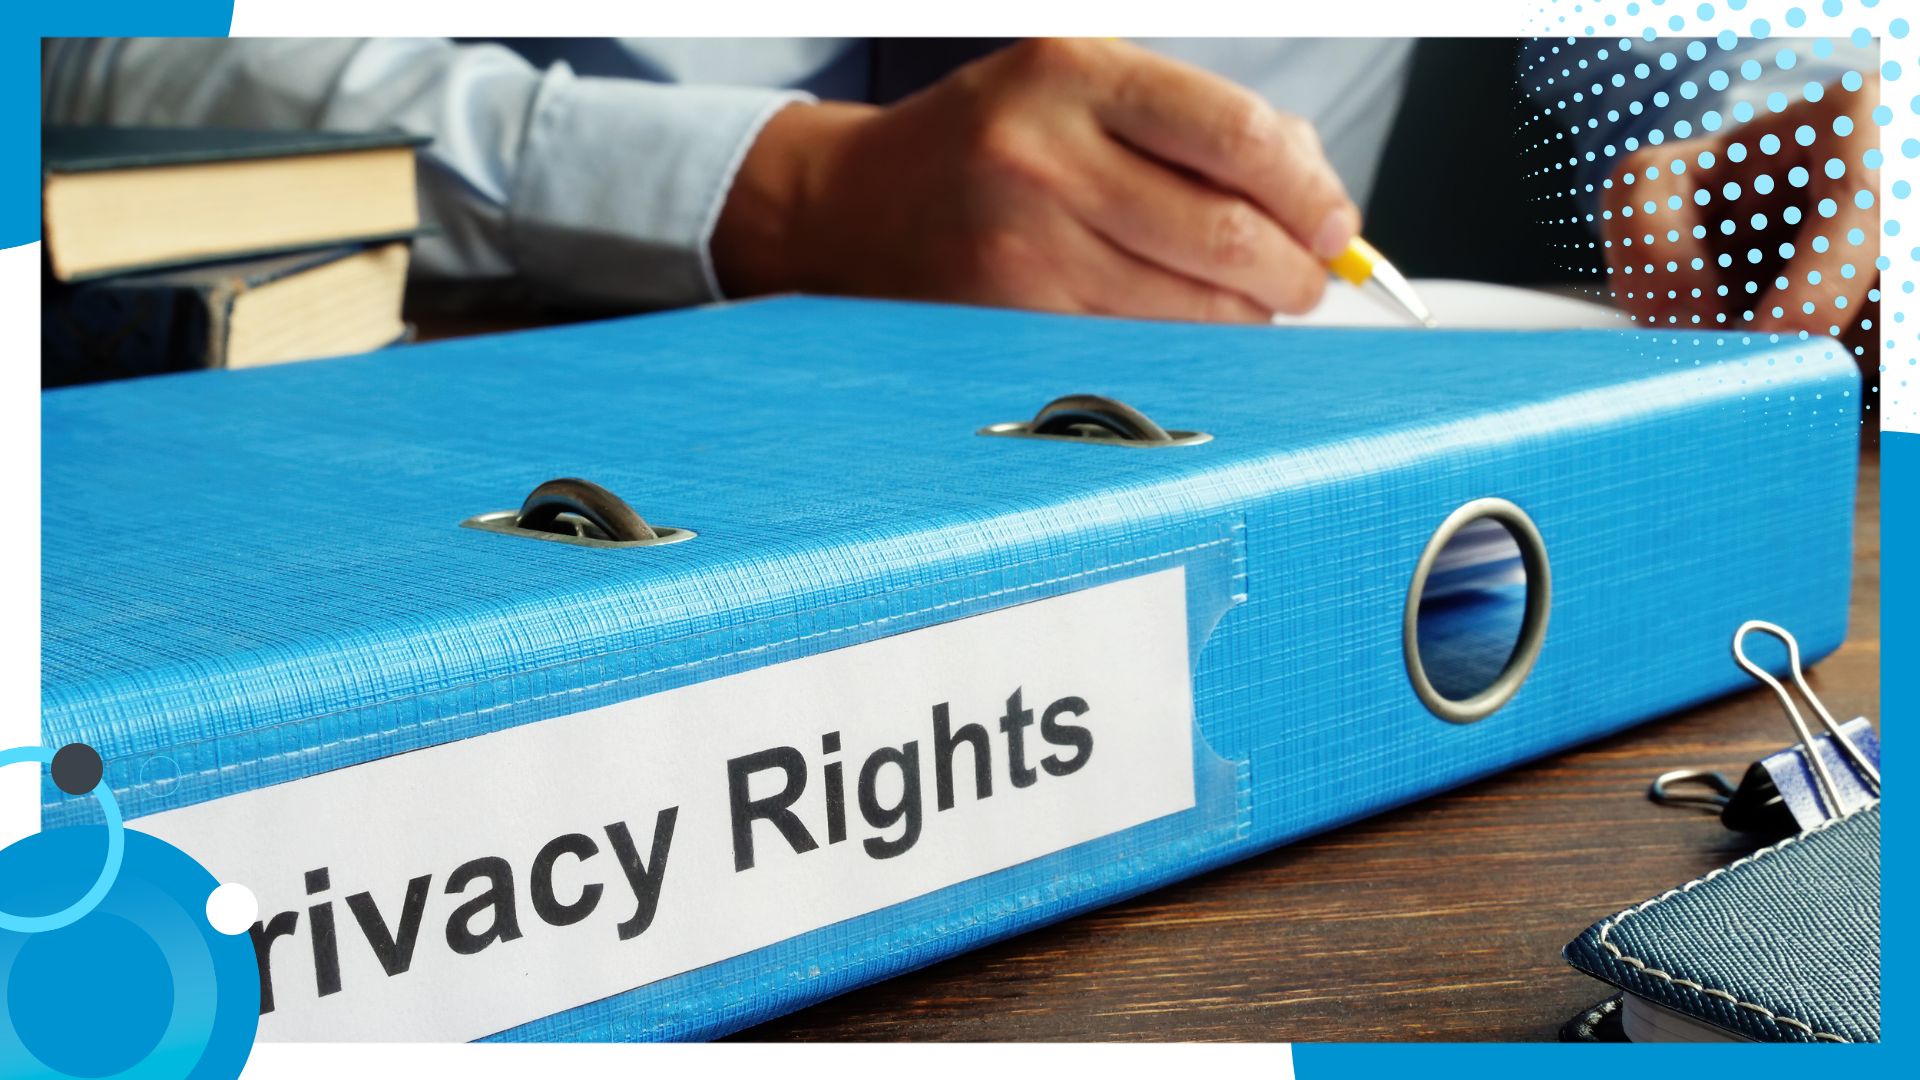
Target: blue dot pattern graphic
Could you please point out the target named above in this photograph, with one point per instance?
(1714, 170)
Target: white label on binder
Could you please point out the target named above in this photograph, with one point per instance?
(464, 889)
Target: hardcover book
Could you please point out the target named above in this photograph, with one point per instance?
(124, 199)
(244, 313)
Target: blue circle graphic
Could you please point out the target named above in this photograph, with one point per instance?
(57, 975)
(142, 986)
(10, 918)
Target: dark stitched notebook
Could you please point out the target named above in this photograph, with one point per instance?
(1781, 946)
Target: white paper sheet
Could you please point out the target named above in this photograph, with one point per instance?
(1462, 305)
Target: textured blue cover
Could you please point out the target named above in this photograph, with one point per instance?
(255, 576)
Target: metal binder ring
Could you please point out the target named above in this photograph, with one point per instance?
(584, 499)
(1091, 418)
(579, 512)
(1533, 621)
(1075, 413)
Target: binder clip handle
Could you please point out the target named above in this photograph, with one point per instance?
(1829, 789)
(1719, 791)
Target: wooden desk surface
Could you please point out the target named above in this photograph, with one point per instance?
(1442, 920)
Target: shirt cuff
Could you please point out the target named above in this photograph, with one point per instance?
(622, 182)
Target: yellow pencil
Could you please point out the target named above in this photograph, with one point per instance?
(1361, 264)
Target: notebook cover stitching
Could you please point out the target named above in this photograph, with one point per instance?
(1644, 968)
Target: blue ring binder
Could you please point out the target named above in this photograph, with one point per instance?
(1680, 487)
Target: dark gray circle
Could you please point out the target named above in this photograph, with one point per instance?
(76, 768)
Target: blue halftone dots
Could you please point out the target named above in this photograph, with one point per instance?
(1718, 80)
(1901, 189)
(57, 976)
(1872, 157)
(1910, 148)
(1822, 48)
(1891, 70)
(1791, 215)
(1843, 126)
(1696, 50)
(1730, 190)
(1750, 69)
(1797, 176)
(1785, 59)
(1762, 28)
(1705, 160)
(1795, 17)
(1882, 116)
(1835, 168)
(1897, 28)
(1821, 244)
(1769, 143)
(1863, 199)
(1856, 237)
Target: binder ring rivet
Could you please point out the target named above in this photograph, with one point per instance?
(1090, 418)
(1533, 622)
(574, 511)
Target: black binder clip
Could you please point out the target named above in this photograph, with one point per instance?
(1815, 780)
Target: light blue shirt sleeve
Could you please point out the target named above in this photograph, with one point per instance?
(582, 190)
(1611, 98)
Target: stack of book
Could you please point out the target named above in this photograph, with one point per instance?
(177, 249)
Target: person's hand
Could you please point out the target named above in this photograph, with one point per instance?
(1762, 226)
(1081, 176)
